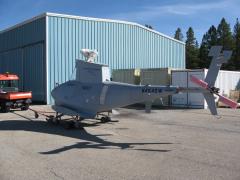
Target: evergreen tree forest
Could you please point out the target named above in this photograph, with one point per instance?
(223, 35)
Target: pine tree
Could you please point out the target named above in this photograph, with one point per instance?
(209, 39)
(225, 39)
(203, 51)
(212, 36)
(192, 60)
(224, 35)
(236, 37)
(178, 34)
(148, 26)
(197, 44)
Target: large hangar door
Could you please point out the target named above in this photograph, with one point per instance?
(33, 71)
(11, 61)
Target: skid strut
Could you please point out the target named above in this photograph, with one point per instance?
(103, 117)
(68, 123)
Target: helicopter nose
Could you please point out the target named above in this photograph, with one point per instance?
(55, 93)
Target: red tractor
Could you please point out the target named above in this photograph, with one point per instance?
(10, 96)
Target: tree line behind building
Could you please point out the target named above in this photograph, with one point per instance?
(197, 56)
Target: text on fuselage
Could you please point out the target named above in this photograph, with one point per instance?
(151, 90)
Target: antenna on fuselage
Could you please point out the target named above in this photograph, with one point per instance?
(89, 54)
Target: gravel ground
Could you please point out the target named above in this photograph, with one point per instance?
(166, 144)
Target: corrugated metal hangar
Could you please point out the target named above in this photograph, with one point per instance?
(42, 50)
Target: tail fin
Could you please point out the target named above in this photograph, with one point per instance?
(209, 97)
(217, 61)
(211, 103)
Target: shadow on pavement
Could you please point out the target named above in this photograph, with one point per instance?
(87, 140)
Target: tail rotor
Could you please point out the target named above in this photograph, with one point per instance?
(208, 84)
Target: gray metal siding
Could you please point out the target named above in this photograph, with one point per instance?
(11, 61)
(22, 51)
(23, 35)
(34, 71)
(121, 46)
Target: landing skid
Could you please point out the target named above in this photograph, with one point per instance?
(68, 123)
(72, 121)
(103, 117)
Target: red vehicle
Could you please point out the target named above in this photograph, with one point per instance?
(10, 96)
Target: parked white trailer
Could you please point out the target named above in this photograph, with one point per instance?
(226, 81)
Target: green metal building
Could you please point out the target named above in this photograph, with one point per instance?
(42, 50)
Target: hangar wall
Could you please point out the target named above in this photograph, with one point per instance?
(43, 49)
(22, 52)
(121, 45)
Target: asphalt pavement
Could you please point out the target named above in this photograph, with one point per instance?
(165, 144)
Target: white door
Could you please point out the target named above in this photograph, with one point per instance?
(179, 78)
(195, 100)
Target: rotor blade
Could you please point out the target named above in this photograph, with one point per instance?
(228, 102)
(199, 82)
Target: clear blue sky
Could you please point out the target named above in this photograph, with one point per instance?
(164, 15)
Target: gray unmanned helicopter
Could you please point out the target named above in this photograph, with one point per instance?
(92, 92)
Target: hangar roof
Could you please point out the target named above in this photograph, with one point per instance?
(86, 18)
